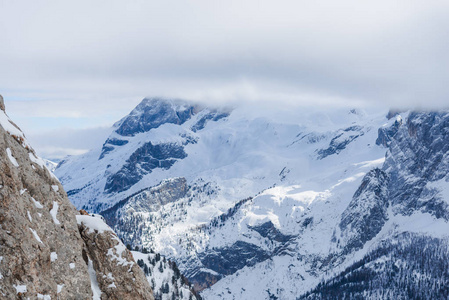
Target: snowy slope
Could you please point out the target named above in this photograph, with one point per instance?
(50, 165)
(164, 277)
(260, 203)
(396, 213)
(243, 153)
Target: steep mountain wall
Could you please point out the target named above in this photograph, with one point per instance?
(44, 252)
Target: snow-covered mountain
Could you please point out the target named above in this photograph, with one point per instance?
(274, 204)
(49, 250)
(51, 165)
(164, 277)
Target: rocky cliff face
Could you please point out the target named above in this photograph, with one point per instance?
(44, 252)
(367, 213)
(403, 207)
(417, 162)
(143, 161)
(118, 276)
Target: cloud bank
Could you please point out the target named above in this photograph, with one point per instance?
(92, 61)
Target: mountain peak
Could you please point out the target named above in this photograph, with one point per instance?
(153, 112)
(174, 102)
(2, 103)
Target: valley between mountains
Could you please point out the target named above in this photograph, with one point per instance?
(185, 201)
(263, 203)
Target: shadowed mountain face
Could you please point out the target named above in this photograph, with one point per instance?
(152, 138)
(407, 266)
(367, 212)
(417, 157)
(152, 113)
(255, 206)
(142, 162)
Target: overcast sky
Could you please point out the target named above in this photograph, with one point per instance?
(71, 68)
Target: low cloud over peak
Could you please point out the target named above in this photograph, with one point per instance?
(113, 53)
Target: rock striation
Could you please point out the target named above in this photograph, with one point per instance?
(117, 274)
(44, 252)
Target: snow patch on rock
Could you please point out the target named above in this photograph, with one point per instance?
(53, 256)
(36, 236)
(54, 212)
(37, 203)
(11, 158)
(119, 249)
(20, 288)
(93, 281)
(94, 223)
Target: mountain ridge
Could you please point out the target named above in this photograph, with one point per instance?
(303, 200)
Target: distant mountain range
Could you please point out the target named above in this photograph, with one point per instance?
(296, 203)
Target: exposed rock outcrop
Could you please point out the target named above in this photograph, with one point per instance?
(42, 253)
(367, 212)
(118, 276)
(340, 141)
(143, 161)
(2, 103)
(127, 213)
(418, 156)
(387, 132)
(152, 113)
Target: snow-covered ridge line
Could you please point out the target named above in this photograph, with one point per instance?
(93, 222)
(227, 160)
(321, 191)
(12, 129)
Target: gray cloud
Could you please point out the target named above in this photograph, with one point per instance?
(88, 60)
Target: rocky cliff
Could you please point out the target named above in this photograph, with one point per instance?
(45, 252)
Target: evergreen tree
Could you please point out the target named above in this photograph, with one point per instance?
(161, 269)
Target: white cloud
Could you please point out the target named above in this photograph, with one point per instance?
(57, 143)
(88, 63)
(383, 51)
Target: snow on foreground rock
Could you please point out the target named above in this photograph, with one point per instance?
(163, 275)
(115, 264)
(44, 254)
